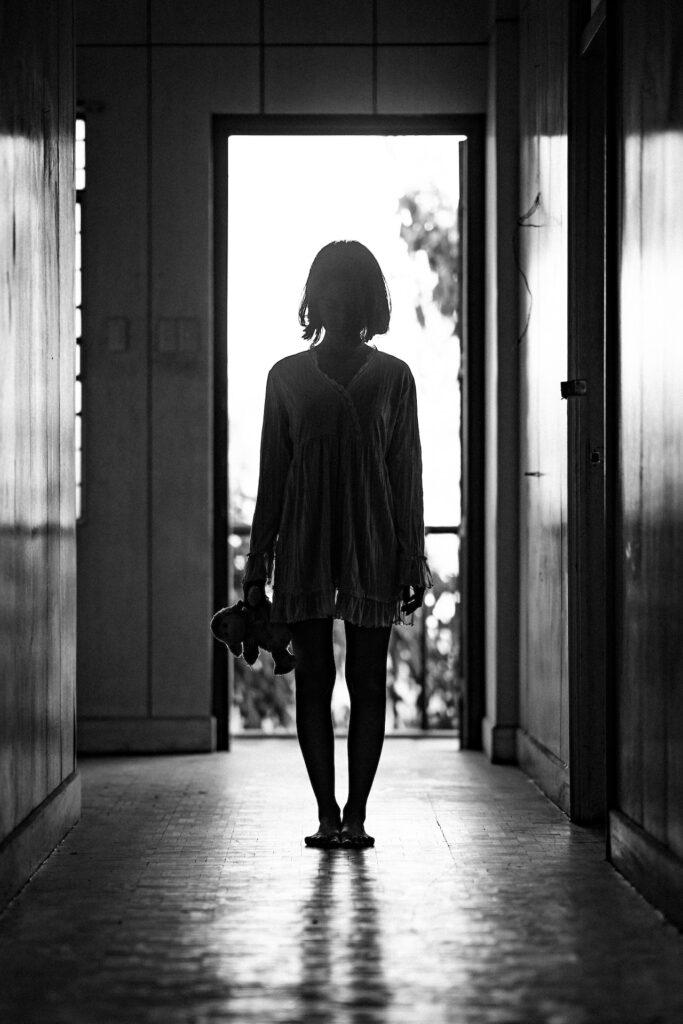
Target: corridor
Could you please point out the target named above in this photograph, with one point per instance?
(186, 894)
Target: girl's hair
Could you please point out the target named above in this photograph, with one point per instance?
(352, 262)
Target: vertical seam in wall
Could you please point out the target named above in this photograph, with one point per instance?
(150, 368)
(73, 563)
(70, 342)
(48, 212)
(262, 58)
(374, 56)
(60, 358)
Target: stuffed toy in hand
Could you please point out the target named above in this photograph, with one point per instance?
(245, 629)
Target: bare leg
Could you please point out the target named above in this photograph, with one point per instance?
(366, 678)
(314, 676)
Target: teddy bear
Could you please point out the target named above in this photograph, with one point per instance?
(245, 629)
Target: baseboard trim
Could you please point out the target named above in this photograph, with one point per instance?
(499, 742)
(547, 770)
(33, 840)
(146, 735)
(651, 867)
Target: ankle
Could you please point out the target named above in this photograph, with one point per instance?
(355, 814)
(329, 815)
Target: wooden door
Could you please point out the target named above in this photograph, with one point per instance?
(541, 255)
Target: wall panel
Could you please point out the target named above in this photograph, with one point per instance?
(432, 21)
(650, 542)
(431, 80)
(37, 543)
(210, 21)
(112, 536)
(318, 80)
(542, 252)
(317, 21)
(189, 84)
(123, 22)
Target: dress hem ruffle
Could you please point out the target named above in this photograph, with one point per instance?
(361, 611)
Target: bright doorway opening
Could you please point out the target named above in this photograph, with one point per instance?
(287, 196)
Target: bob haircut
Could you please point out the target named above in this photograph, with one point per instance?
(352, 262)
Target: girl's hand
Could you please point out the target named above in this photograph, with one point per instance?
(411, 602)
(254, 593)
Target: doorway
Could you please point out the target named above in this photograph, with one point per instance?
(401, 188)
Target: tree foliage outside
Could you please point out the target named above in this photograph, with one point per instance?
(429, 224)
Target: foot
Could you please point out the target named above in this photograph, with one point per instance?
(353, 835)
(327, 835)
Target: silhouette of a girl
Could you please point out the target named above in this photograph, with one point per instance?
(338, 524)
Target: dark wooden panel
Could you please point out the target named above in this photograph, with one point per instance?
(36, 404)
(542, 250)
(37, 836)
(650, 538)
(650, 865)
(545, 768)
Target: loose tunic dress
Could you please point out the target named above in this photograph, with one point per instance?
(338, 525)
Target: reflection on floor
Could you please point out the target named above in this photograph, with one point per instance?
(186, 895)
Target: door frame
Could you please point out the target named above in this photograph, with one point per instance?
(592, 450)
(473, 234)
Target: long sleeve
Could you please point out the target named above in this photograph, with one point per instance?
(276, 456)
(404, 463)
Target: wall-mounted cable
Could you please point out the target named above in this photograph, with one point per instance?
(523, 222)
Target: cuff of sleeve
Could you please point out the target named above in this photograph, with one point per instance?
(415, 571)
(259, 567)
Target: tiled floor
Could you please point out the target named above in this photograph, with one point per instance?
(186, 895)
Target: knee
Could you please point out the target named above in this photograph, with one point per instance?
(366, 689)
(315, 670)
(314, 680)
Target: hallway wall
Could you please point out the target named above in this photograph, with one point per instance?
(150, 77)
(647, 820)
(39, 788)
(541, 237)
(645, 678)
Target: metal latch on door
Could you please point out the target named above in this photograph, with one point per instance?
(574, 388)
